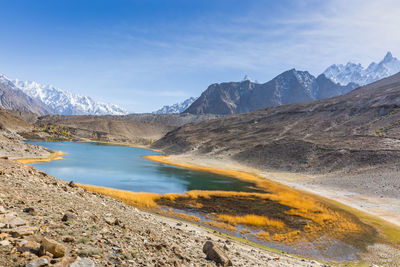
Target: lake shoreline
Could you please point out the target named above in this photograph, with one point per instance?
(228, 169)
(293, 180)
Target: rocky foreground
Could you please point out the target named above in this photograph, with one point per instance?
(48, 222)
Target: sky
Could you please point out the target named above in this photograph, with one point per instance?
(143, 54)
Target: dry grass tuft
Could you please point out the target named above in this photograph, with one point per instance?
(221, 225)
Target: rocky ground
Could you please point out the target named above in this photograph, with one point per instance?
(12, 146)
(45, 221)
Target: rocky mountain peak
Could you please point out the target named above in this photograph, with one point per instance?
(388, 57)
(356, 73)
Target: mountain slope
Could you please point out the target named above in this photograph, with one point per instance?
(176, 108)
(66, 103)
(289, 87)
(356, 73)
(357, 130)
(11, 97)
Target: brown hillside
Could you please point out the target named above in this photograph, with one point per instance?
(359, 129)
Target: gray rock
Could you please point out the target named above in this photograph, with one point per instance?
(4, 243)
(216, 254)
(16, 222)
(38, 263)
(84, 262)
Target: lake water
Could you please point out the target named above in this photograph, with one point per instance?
(123, 167)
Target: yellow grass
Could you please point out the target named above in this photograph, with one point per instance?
(244, 231)
(53, 156)
(141, 200)
(263, 236)
(252, 220)
(221, 225)
(180, 215)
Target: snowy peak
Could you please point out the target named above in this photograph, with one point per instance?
(176, 108)
(356, 73)
(13, 98)
(66, 103)
(389, 57)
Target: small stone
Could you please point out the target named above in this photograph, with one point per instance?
(2, 210)
(66, 261)
(111, 221)
(4, 243)
(38, 263)
(69, 239)
(84, 262)
(67, 217)
(72, 184)
(30, 210)
(216, 254)
(4, 236)
(58, 250)
(29, 246)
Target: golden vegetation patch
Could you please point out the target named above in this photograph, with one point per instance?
(251, 220)
(180, 215)
(221, 225)
(141, 200)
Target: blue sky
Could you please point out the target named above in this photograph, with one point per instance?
(143, 54)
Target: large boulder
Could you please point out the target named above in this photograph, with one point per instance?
(58, 250)
(214, 253)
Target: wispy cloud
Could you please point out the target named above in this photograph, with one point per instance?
(167, 59)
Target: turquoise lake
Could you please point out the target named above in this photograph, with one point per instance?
(123, 167)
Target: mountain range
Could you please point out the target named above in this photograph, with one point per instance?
(289, 87)
(47, 99)
(13, 98)
(356, 73)
(227, 98)
(176, 108)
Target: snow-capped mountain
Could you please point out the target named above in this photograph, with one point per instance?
(13, 98)
(176, 108)
(66, 103)
(356, 73)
